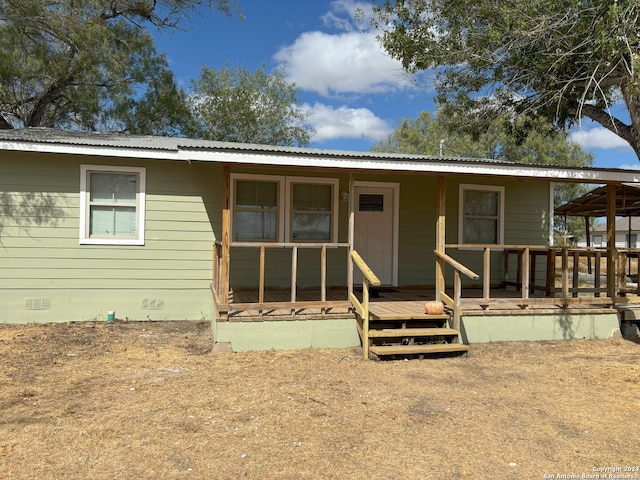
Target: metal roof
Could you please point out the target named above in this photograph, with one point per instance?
(49, 140)
(118, 140)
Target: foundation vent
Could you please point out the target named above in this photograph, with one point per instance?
(153, 304)
(41, 303)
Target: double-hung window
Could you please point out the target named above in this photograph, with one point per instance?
(481, 217)
(312, 214)
(112, 201)
(256, 205)
(272, 208)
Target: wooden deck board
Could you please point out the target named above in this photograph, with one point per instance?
(393, 301)
(418, 349)
(412, 332)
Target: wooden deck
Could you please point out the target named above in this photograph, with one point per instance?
(393, 301)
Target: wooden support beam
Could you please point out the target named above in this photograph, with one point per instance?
(226, 234)
(294, 272)
(440, 236)
(611, 241)
(525, 273)
(351, 233)
(323, 273)
(486, 282)
(262, 270)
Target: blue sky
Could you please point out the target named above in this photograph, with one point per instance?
(355, 93)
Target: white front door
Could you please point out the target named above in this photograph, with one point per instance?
(374, 230)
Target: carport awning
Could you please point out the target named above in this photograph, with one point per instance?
(594, 203)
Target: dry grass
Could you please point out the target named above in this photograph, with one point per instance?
(149, 401)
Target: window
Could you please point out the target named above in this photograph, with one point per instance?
(311, 212)
(270, 208)
(597, 240)
(481, 214)
(256, 210)
(112, 201)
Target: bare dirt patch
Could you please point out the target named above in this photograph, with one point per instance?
(149, 400)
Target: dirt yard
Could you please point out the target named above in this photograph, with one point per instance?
(151, 401)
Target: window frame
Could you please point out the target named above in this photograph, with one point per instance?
(334, 183)
(466, 187)
(285, 204)
(85, 205)
(255, 177)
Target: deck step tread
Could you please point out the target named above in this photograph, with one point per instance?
(417, 349)
(374, 316)
(412, 332)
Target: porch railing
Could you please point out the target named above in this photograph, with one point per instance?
(571, 274)
(362, 308)
(220, 283)
(455, 303)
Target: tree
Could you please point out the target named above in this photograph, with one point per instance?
(239, 106)
(91, 64)
(560, 59)
(520, 140)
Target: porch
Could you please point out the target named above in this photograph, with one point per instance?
(471, 280)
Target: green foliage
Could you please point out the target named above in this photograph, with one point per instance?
(560, 59)
(501, 137)
(90, 64)
(240, 106)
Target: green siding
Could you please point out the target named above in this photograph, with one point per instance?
(42, 257)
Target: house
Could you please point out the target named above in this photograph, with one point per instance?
(285, 247)
(626, 234)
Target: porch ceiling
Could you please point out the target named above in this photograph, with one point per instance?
(594, 203)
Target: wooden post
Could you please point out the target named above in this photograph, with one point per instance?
(565, 275)
(262, 261)
(622, 274)
(486, 281)
(611, 241)
(551, 272)
(597, 273)
(365, 317)
(576, 272)
(323, 273)
(587, 228)
(440, 236)
(457, 301)
(351, 234)
(294, 272)
(226, 235)
(525, 273)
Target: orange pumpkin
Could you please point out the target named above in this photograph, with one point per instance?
(434, 308)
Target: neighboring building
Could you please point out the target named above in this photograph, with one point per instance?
(627, 230)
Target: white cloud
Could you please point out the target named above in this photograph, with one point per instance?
(351, 62)
(598, 137)
(344, 122)
(349, 15)
(626, 166)
(348, 60)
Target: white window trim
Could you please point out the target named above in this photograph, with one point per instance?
(285, 202)
(85, 239)
(487, 188)
(335, 186)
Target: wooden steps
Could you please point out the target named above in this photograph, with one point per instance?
(403, 330)
(411, 332)
(419, 349)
